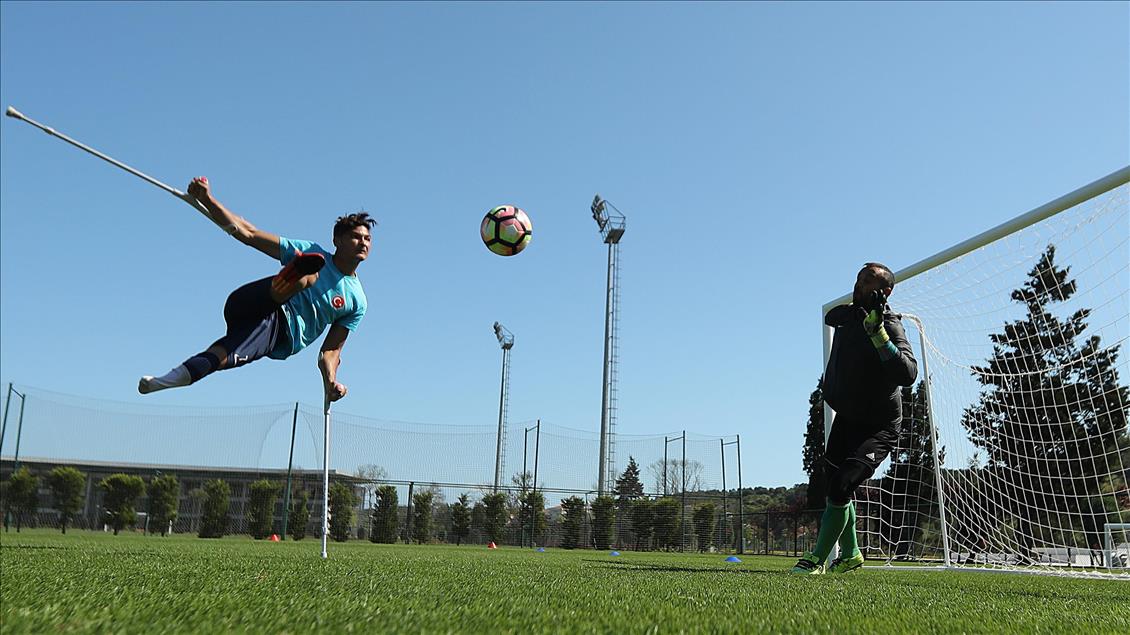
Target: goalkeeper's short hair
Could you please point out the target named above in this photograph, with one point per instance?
(885, 272)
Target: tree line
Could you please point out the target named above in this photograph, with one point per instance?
(21, 501)
(625, 519)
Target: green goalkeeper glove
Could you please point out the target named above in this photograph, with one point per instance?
(873, 324)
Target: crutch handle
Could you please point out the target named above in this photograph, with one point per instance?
(191, 200)
(188, 198)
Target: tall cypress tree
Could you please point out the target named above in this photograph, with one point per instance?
(163, 492)
(628, 486)
(573, 522)
(1052, 414)
(214, 518)
(422, 516)
(343, 500)
(461, 518)
(814, 446)
(261, 508)
(299, 515)
(496, 516)
(531, 515)
(66, 485)
(21, 496)
(120, 495)
(385, 520)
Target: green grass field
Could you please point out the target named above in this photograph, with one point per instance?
(129, 583)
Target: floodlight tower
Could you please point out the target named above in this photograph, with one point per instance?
(506, 341)
(611, 224)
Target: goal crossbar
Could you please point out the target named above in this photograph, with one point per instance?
(1047, 210)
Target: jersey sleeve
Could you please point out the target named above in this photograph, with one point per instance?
(288, 247)
(353, 319)
(902, 368)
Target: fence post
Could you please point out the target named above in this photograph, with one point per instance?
(533, 517)
(766, 532)
(683, 514)
(796, 522)
(725, 508)
(289, 468)
(7, 407)
(408, 514)
(741, 498)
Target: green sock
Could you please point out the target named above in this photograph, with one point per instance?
(849, 544)
(832, 524)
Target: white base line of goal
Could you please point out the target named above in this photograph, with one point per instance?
(1096, 574)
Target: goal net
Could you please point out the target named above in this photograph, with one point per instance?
(1014, 452)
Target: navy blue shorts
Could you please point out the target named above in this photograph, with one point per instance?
(255, 323)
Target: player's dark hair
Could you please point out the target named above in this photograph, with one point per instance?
(346, 223)
(885, 273)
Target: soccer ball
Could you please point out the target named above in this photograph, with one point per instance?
(506, 230)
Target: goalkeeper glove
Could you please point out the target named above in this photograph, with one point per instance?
(873, 325)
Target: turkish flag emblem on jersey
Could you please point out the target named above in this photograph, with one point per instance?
(338, 301)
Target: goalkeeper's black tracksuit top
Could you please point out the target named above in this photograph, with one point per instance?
(857, 383)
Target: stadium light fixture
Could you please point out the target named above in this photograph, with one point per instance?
(611, 223)
(506, 342)
(505, 337)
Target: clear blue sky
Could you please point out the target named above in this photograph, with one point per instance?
(761, 153)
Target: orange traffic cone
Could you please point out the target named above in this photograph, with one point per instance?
(491, 545)
(274, 537)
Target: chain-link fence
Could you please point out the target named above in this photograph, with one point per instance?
(675, 491)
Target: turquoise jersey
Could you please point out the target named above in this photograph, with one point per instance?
(334, 299)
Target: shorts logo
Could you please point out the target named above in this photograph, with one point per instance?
(338, 301)
(870, 455)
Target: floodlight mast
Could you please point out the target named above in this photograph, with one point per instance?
(611, 223)
(506, 342)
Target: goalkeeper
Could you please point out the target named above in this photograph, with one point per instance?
(280, 315)
(870, 360)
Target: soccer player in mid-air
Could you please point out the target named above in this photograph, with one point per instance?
(870, 360)
(280, 315)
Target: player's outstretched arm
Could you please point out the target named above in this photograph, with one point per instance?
(330, 358)
(237, 226)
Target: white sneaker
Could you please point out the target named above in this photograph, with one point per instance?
(175, 378)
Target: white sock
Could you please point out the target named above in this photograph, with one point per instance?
(175, 378)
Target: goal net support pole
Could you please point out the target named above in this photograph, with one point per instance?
(1108, 542)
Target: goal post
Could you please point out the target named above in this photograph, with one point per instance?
(1116, 554)
(1014, 452)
